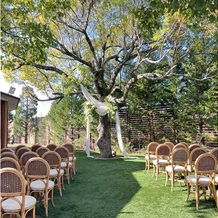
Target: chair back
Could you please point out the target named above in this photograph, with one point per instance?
(35, 147)
(185, 143)
(179, 156)
(9, 154)
(9, 162)
(21, 151)
(70, 148)
(18, 147)
(40, 151)
(5, 150)
(25, 157)
(12, 184)
(63, 152)
(214, 151)
(53, 159)
(163, 151)
(170, 144)
(152, 147)
(180, 145)
(51, 147)
(192, 147)
(195, 154)
(206, 164)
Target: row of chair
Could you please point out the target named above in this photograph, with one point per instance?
(38, 166)
(193, 163)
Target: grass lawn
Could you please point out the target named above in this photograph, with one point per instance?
(121, 188)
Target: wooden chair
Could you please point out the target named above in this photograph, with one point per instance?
(72, 157)
(66, 165)
(185, 143)
(56, 173)
(9, 154)
(162, 153)
(9, 162)
(150, 154)
(177, 166)
(14, 200)
(51, 147)
(40, 151)
(35, 147)
(214, 151)
(192, 147)
(38, 181)
(5, 150)
(204, 177)
(180, 145)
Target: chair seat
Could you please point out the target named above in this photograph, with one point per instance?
(151, 157)
(203, 180)
(161, 162)
(39, 185)
(54, 172)
(12, 205)
(175, 168)
(64, 164)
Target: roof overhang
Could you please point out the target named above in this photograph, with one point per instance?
(12, 100)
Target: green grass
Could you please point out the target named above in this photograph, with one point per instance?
(121, 188)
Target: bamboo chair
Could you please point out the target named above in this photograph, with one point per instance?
(66, 165)
(38, 181)
(40, 151)
(204, 177)
(35, 147)
(5, 150)
(150, 154)
(177, 167)
(56, 173)
(51, 147)
(14, 201)
(162, 153)
(6, 162)
(9, 154)
(72, 157)
(192, 147)
(193, 157)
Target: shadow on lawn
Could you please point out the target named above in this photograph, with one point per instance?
(101, 188)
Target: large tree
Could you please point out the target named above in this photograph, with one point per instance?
(54, 44)
(24, 120)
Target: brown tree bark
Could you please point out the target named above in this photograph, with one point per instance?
(104, 140)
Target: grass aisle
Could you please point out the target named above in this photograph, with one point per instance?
(120, 188)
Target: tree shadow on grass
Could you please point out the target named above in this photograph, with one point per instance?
(101, 188)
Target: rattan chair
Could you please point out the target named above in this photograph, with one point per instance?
(185, 143)
(56, 173)
(38, 181)
(162, 153)
(6, 162)
(180, 145)
(9, 154)
(35, 147)
(204, 177)
(192, 158)
(18, 147)
(66, 165)
(177, 167)
(21, 151)
(150, 154)
(6, 150)
(51, 147)
(40, 151)
(14, 200)
(170, 144)
(214, 151)
(72, 157)
(192, 147)
(25, 157)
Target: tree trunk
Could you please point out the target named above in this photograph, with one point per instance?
(104, 140)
